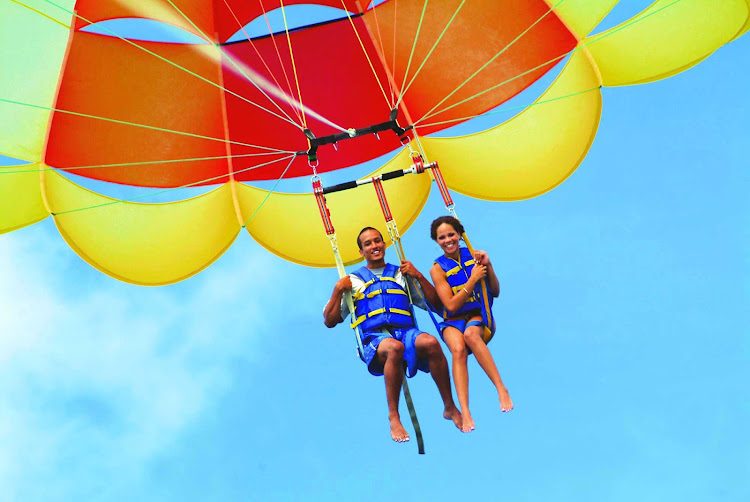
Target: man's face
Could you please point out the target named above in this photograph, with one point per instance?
(373, 247)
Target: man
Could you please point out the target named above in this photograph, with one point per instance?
(389, 336)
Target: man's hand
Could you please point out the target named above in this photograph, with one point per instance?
(408, 268)
(344, 284)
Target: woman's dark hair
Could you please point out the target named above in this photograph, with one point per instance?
(450, 220)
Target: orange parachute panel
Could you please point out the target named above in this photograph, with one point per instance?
(217, 19)
(343, 72)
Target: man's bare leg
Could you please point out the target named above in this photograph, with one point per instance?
(455, 341)
(390, 354)
(473, 337)
(428, 347)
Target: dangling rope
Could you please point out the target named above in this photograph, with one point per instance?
(390, 224)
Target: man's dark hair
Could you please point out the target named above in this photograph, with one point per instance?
(359, 243)
(450, 220)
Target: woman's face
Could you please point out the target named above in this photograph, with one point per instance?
(447, 238)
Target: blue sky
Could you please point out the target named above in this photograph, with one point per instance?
(623, 338)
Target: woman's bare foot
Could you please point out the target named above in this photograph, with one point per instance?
(398, 433)
(505, 402)
(467, 423)
(453, 414)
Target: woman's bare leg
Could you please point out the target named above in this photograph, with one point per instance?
(455, 341)
(473, 338)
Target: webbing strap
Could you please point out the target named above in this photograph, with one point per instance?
(325, 214)
(390, 224)
(440, 181)
(413, 415)
(487, 311)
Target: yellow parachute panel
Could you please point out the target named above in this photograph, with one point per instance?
(146, 244)
(581, 16)
(290, 226)
(20, 197)
(665, 39)
(33, 39)
(533, 152)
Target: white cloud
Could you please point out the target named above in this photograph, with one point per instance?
(98, 377)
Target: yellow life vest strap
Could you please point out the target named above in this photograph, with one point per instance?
(364, 317)
(456, 269)
(361, 296)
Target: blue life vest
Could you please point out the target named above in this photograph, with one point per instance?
(457, 274)
(383, 303)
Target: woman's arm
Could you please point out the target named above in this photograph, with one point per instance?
(492, 282)
(454, 302)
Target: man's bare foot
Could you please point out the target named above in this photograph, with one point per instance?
(467, 424)
(453, 414)
(398, 433)
(505, 402)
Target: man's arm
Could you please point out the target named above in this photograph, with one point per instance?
(332, 310)
(408, 269)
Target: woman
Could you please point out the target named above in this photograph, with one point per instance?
(457, 277)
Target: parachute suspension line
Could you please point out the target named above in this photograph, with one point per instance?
(268, 195)
(325, 215)
(395, 31)
(286, 95)
(239, 68)
(514, 108)
(180, 67)
(41, 14)
(413, 49)
(382, 51)
(143, 163)
(278, 53)
(294, 65)
(493, 58)
(188, 185)
(440, 37)
(553, 60)
(153, 128)
(364, 51)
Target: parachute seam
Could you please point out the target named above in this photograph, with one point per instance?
(401, 96)
(188, 185)
(596, 38)
(268, 195)
(176, 65)
(257, 52)
(231, 60)
(364, 51)
(154, 128)
(493, 58)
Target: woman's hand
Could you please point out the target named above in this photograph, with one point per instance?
(481, 258)
(478, 273)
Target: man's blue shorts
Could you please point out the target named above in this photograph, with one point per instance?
(407, 336)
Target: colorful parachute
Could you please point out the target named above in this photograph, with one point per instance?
(171, 115)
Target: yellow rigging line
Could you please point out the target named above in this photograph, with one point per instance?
(235, 64)
(493, 58)
(278, 54)
(257, 52)
(362, 45)
(162, 58)
(294, 65)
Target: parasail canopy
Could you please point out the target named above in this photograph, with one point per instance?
(170, 115)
